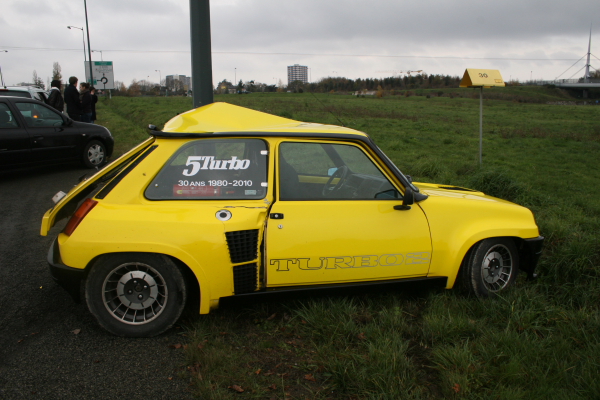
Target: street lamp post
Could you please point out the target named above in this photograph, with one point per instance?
(159, 80)
(83, 38)
(87, 27)
(1, 78)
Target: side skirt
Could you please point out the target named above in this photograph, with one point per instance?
(294, 292)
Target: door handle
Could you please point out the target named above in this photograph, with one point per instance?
(276, 216)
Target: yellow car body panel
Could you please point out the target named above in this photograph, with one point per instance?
(349, 241)
(318, 241)
(49, 218)
(457, 225)
(224, 117)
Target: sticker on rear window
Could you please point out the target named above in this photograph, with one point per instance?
(213, 169)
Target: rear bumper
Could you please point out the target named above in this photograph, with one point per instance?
(67, 277)
(530, 253)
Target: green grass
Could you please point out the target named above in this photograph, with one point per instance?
(541, 340)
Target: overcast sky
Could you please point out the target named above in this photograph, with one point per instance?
(258, 39)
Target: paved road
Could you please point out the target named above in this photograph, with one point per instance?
(40, 356)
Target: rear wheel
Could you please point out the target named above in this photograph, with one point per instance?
(94, 154)
(135, 294)
(490, 267)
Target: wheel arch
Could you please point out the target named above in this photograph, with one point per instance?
(519, 243)
(192, 281)
(108, 145)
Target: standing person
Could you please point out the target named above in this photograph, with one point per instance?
(86, 102)
(94, 101)
(72, 100)
(55, 100)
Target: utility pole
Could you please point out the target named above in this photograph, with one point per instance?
(202, 81)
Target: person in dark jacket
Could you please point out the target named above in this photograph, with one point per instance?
(55, 100)
(72, 100)
(94, 101)
(86, 102)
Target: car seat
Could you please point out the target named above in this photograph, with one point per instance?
(288, 180)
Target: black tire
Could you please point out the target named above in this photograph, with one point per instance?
(490, 267)
(94, 154)
(135, 294)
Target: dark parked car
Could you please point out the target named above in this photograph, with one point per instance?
(32, 133)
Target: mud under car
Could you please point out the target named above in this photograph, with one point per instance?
(230, 202)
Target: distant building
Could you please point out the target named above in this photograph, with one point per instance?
(226, 87)
(297, 72)
(178, 82)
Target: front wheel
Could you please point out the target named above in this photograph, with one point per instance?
(94, 154)
(490, 267)
(135, 294)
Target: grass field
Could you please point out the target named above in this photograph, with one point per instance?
(538, 341)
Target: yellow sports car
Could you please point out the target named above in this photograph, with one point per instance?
(227, 201)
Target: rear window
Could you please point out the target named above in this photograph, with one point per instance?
(16, 93)
(210, 169)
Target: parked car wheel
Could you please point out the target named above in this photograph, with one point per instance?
(135, 294)
(490, 267)
(94, 154)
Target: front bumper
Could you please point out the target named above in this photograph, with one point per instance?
(67, 277)
(530, 252)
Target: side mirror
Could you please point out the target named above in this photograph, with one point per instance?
(67, 121)
(407, 200)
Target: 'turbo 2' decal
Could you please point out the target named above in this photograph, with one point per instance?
(385, 260)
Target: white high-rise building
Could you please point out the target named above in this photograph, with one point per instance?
(297, 72)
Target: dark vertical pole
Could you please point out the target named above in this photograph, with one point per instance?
(89, 48)
(202, 82)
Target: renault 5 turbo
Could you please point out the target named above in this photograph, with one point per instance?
(228, 202)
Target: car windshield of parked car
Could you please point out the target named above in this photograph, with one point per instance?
(210, 169)
(37, 115)
(7, 120)
(318, 171)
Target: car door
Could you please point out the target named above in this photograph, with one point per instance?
(14, 140)
(334, 220)
(50, 138)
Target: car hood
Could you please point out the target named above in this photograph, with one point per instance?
(457, 192)
(67, 205)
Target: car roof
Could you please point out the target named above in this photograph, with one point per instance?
(225, 117)
(24, 88)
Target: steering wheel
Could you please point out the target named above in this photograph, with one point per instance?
(330, 188)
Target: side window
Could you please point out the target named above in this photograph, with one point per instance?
(41, 96)
(7, 120)
(37, 115)
(210, 169)
(325, 171)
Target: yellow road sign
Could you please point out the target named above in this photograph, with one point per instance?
(481, 78)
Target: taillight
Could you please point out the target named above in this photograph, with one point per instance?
(79, 215)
